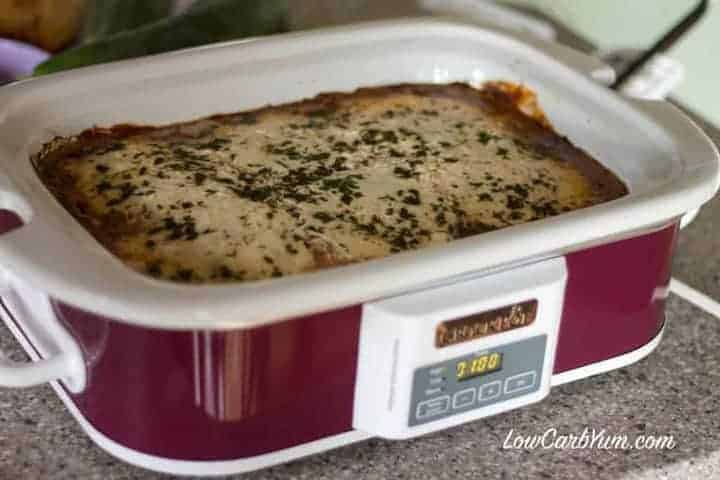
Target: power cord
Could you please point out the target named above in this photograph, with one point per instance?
(663, 43)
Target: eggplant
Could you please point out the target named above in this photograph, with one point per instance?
(108, 17)
(206, 22)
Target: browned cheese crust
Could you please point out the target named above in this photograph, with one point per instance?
(340, 178)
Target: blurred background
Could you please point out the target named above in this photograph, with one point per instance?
(62, 34)
(620, 24)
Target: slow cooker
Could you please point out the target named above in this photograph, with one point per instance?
(219, 379)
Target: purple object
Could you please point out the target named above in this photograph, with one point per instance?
(207, 395)
(18, 59)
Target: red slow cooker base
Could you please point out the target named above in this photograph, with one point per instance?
(206, 395)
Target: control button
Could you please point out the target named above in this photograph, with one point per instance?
(437, 371)
(436, 380)
(432, 391)
(521, 382)
(490, 391)
(464, 398)
(430, 408)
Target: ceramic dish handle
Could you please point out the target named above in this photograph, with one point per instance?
(12, 200)
(40, 331)
(590, 66)
(691, 142)
(54, 353)
(29, 374)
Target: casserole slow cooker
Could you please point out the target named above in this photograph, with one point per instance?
(229, 378)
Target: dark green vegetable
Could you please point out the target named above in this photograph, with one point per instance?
(209, 21)
(108, 17)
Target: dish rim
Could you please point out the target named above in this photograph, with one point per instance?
(154, 303)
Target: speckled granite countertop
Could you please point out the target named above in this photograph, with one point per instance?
(674, 391)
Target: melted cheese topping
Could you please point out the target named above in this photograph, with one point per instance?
(289, 189)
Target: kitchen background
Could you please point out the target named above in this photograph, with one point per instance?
(611, 25)
(608, 24)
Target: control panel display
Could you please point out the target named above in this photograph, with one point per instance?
(499, 320)
(480, 365)
(477, 380)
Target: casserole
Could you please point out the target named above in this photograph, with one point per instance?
(227, 378)
(333, 180)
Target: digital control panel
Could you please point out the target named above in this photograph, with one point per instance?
(456, 352)
(476, 380)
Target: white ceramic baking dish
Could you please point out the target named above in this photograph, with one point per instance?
(227, 378)
(668, 163)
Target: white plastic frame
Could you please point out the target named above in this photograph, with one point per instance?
(397, 336)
